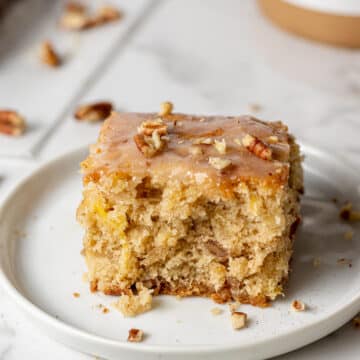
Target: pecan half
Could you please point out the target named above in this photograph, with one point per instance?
(257, 147)
(48, 55)
(93, 112)
(135, 335)
(11, 123)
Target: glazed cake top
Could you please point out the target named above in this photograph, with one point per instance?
(230, 148)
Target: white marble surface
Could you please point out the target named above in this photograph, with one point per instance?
(213, 58)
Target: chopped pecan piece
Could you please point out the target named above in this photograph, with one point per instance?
(151, 137)
(149, 146)
(348, 214)
(219, 163)
(75, 17)
(203, 141)
(93, 112)
(48, 55)
(195, 150)
(107, 14)
(257, 147)
(298, 305)
(135, 335)
(273, 139)
(166, 108)
(11, 123)
(148, 127)
(220, 146)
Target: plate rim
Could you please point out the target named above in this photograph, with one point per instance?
(338, 318)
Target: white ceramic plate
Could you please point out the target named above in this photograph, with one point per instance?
(41, 268)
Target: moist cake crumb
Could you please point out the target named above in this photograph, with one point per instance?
(238, 320)
(76, 295)
(133, 305)
(205, 224)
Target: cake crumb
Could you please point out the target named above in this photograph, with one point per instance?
(76, 295)
(216, 311)
(48, 55)
(238, 320)
(133, 305)
(348, 235)
(348, 214)
(105, 310)
(298, 306)
(135, 335)
(316, 262)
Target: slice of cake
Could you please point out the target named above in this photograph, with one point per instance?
(191, 205)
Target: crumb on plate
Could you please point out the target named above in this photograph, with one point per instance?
(216, 311)
(133, 305)
(238, 320)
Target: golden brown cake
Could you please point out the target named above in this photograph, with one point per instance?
(191, 205)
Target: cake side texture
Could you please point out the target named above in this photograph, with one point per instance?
(177, 221)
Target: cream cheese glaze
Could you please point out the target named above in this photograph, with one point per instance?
(116, 150)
